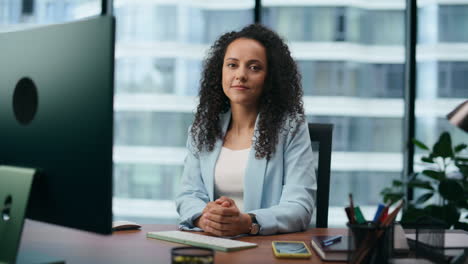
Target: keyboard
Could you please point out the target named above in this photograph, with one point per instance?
(216, 243)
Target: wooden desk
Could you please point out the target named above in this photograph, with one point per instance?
(133, 247)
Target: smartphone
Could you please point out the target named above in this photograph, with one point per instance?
(290, 249)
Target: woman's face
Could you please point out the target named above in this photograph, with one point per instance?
(244, 71)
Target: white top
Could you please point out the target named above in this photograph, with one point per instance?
(229, 175)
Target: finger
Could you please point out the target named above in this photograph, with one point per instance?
(226, 199)
(223, 203)
(221, 233)
(221, 219)
(226, 204)
(212, 230)
(215, 205)
(218, 226)
(230, 211)
(210, 206)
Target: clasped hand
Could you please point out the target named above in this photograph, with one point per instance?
(223, 218)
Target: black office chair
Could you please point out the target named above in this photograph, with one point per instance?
(321, 138)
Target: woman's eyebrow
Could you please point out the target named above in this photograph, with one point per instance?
(254, 61)
(248, 62)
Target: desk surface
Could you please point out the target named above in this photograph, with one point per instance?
(133, 247)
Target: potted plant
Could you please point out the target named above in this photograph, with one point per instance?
(445, 179)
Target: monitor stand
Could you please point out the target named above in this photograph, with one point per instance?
(15, 187)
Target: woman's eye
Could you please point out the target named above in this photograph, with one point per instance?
(231, 65)
(255, 68)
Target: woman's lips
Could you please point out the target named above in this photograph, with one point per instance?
(239, 87)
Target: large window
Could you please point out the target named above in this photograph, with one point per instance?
(442, 59)
(453, 78)
(351, 56)
(159, 52)
(299, 23)
(15, 14)
(442, 67)
(352, 62)
(355, 79)
(160, 46)
(452, 19)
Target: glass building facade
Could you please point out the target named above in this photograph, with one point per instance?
(351, 56)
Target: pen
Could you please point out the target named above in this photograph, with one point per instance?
(384, 214)
(391, 217)
(378, 213)
(348, 214)
(330, 241)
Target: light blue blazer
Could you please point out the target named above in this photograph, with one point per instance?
(280, 192)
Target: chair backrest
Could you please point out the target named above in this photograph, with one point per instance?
(321, 138)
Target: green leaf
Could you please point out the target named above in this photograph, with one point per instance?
(460, 225)
(443, 147)
(448, 213)
(451, 190)
(419, 144)
(461, 159)
(460, 162)
(427, 159)
(421, 184)
(436, 175)
(460, 147)
(412, 214)
(386, 190)
(397, 183)
(462, 204)
(463, 169)
(393, 197)
(424, 198)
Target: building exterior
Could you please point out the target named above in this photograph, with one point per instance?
(351, 55)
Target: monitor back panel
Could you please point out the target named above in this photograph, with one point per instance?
(70, 136)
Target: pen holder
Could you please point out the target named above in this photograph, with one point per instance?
(192, 255)
(369, 243)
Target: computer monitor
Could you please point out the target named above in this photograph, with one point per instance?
(56, 117)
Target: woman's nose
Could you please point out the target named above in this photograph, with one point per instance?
(241, 74)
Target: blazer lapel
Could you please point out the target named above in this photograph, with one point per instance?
(254, 176)
(210, 158)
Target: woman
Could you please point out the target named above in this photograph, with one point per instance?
(249, 164)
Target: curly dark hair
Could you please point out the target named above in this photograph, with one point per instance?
(281, 98)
